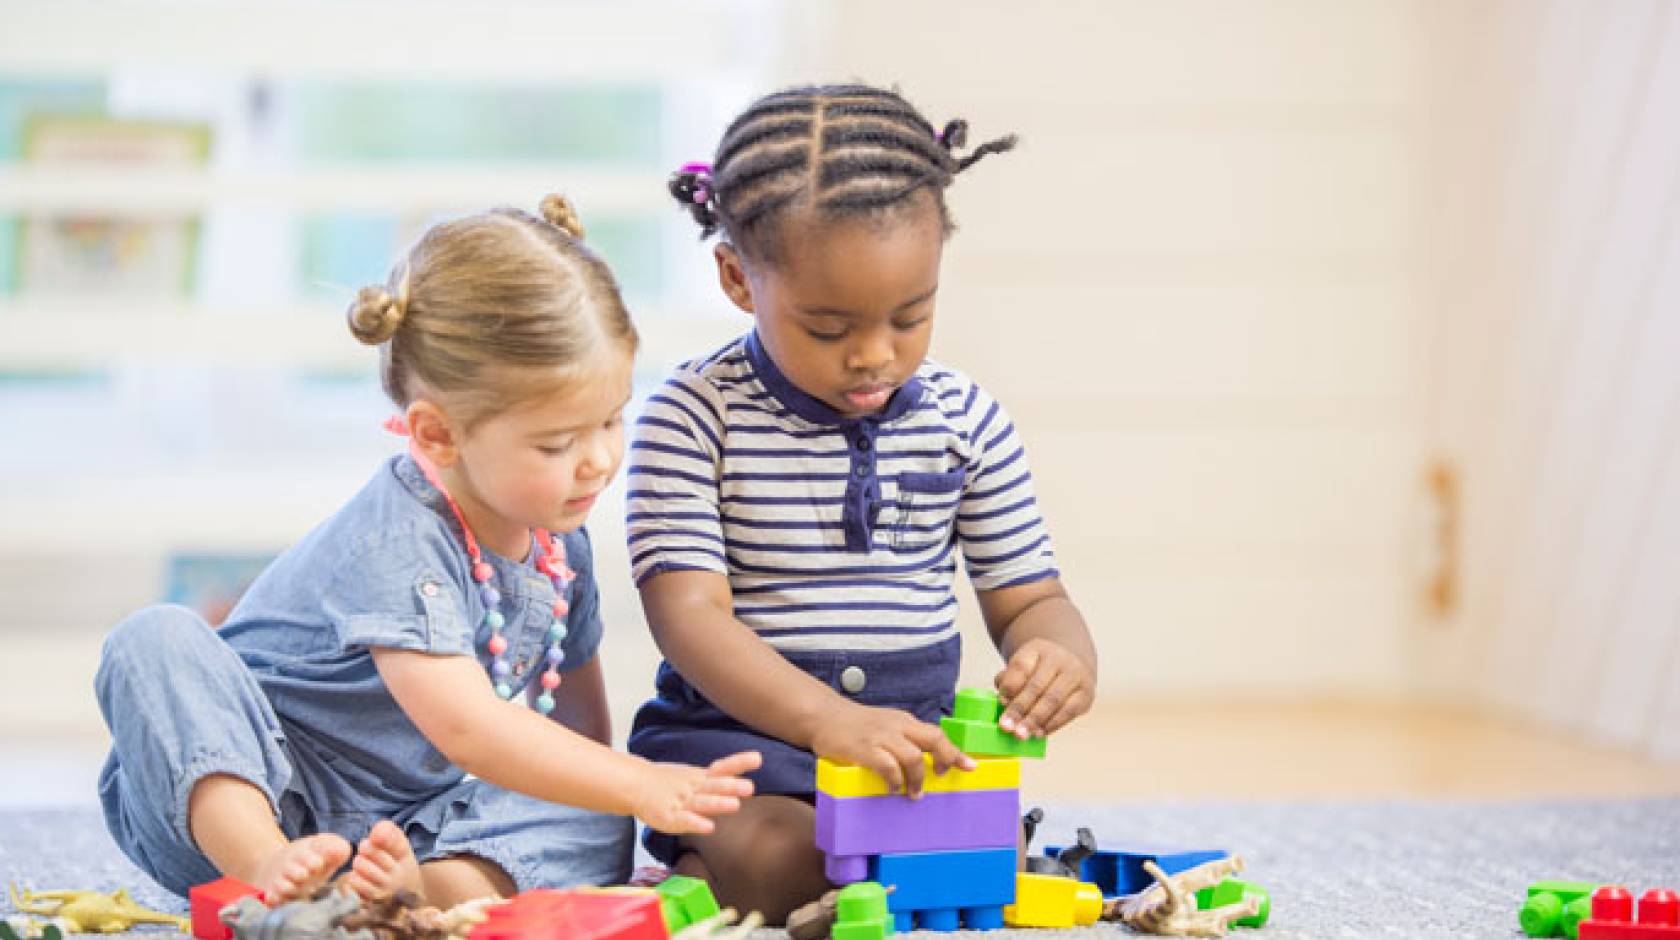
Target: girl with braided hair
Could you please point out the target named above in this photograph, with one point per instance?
(797, 499)
(444, 622)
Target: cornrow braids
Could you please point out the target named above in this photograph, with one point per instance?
(841, 150)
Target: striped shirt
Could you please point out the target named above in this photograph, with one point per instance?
(835, 533)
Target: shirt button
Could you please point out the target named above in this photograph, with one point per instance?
(853, 679)
(861, 471)
(430, 589)
(863, 443)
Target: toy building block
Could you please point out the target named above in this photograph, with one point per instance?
(851, 828)
(1052, 901)
(991, 773)
(1613, 915)
(973, 727)
(685, 901)
(860, 913)
(1235, 891)
(945, 890)
(546, 914)
(1120, 871)
(22, 928)
(207, 901)
(1556, 908)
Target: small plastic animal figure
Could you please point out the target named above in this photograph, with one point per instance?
(813, 921)
(1064, 864)
(92, 911)
(1168, 907)
(400, 917)
(717, 927)
(315, 919)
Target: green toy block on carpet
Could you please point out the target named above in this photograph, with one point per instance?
(1556, 908)
(685, 901)
(1236, 891)
(861, 913)
(973, 727)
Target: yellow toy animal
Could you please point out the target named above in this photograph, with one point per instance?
(91, 911)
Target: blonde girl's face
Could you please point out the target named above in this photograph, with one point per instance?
(543, 464)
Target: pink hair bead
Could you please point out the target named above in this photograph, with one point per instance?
(560, 608)
(482, 571)
(498, 645)
(551, 680)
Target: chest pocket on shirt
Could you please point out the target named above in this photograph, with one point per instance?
(926, 509)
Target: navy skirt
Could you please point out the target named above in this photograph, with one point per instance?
(680, 725)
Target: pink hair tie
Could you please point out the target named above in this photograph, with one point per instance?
(702, 179)
(396, 425)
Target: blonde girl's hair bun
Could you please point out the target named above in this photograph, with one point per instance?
(375, 315)
(557, 211)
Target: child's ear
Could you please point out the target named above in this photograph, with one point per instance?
(732, 276)
(430, 430)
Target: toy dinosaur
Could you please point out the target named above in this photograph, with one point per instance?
(1168, 907)
(91, 911)
(717, 927)
(1064, 864)
(314, 919)
(401, 917)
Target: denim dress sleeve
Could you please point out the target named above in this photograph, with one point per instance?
(403, 589)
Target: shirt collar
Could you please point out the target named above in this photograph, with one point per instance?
(815, 410)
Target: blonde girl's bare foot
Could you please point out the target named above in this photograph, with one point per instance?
(384, 864)
(303, 865)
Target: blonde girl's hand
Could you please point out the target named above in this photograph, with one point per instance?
(1044, 686)
(891, 743)
(679, 798)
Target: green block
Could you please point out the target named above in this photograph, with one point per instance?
(973, 727)
(860, 912)
(685, 901)
(1236, 891)
(1556, 908)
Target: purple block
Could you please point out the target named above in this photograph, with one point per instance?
(845, 869)
(879, 825)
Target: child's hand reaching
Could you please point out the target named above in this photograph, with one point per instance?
(891, 743)
(1044, 686)
(679, 798)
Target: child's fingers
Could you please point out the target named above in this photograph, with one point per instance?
(738, 787)
(713, 804)
(887, 767)
(688, 822)
(736, 764)
(932, 740)
(1076, 705)
(1055, 695)
(1013, 679)
(909, 757)
(1024, 703)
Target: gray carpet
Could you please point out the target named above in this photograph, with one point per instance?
(1333, 869)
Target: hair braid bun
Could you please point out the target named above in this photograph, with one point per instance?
(375, 315)
(557, 211)
(955, 134)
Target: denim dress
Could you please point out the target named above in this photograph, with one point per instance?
(286, 696)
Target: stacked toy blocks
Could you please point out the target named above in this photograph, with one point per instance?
(949, 857)
(1613, 915)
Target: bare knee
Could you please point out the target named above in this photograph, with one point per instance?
(766, 858)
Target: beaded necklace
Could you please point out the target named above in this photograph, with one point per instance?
(551, 561)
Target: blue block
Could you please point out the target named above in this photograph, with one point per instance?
(983, 918)
(940, 881)
(1120, 871)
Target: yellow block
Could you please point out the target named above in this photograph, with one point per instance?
(1049, 901)
(990, 773)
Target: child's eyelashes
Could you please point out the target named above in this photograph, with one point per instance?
(555, 450)
(834, 337)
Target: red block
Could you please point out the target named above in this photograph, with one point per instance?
(1613, 915)
(579, 914)
(207, 901)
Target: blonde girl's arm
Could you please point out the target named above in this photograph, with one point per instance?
(449, 698)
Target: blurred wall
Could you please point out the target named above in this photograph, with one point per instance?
(1197, 286)
(1555, 286)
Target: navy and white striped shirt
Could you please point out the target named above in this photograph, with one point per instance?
(835, 533)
